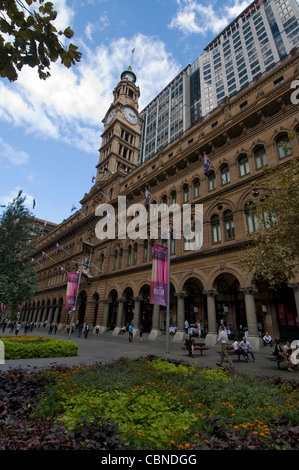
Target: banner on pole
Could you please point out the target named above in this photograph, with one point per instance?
(159, 282)
(71, 290)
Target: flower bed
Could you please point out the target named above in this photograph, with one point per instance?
(25, 347)
(148, 404)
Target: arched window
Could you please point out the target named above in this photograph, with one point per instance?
(283, 146)
(251, 218)
(268, 216)
(186, 193)
(196, 188)
(101, 262)
(212, 180)
(172, 245)
(129, 255)
(145, 250)
(173, 197)
(152, 249)
(216, 231)
(164, 202)
(225, 175)
(243, 165)
(229, 228)
(120, 258)
(115, 259)
(187, 237)
(135, 253)
(260, 157)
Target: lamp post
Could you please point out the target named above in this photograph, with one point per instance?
(168, 290)
(168, 297)
(73, 309)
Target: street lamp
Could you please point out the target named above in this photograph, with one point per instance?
(73, 309)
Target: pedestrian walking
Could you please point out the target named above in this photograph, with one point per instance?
(223, 340)
(140, 333)
(86, 330)
(130, 333)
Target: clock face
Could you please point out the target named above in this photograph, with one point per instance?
(110, 116)
(130, 115)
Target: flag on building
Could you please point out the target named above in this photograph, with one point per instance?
(73, 208)
(93, 179)
(147, 197)
(71, 290)
(207, 164)
(86, 262)
(109, 171)
(43, 255)
(58, 246)
(34, 203)
(159, 282)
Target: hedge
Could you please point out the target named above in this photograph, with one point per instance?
(26, 347)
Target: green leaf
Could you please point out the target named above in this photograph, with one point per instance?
(68, 33)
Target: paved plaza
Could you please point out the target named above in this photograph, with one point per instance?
(108, 347)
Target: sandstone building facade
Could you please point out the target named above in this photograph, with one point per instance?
(242, 138)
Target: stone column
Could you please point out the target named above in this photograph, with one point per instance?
(155, 331)
(46, 308)
(212, 335)
(105, 318)
(180, 333)
(39, 315)
(136, 323)
(251, 318)
(119, 316)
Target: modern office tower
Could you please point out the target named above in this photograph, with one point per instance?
(259, 38)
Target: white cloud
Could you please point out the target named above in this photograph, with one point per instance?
(71, 104)
(14, 156)
(194, 17)
(99, 25)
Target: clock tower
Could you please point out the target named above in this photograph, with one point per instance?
(120, 139)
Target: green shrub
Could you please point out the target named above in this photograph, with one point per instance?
(26, 347)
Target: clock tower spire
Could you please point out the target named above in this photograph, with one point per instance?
(121, 135)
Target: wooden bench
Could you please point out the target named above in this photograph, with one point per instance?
(199, 347)
(276, 359)
(231, 352)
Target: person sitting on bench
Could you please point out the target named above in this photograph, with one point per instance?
(287, 352)
(247, 348)
(240, 351)
(278, 351)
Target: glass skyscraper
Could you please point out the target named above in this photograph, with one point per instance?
(259, 38)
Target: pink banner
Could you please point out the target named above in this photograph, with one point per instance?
(158, 291)
(71, 290)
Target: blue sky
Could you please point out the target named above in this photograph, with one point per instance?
(50, 131)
